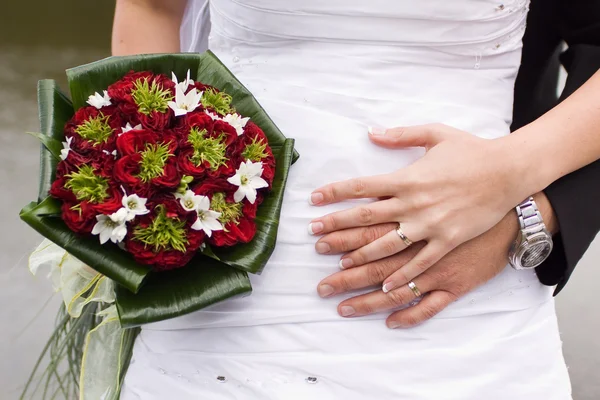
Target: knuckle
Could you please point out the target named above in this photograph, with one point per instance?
(358, 187)
(368, 235)
(453, 237)
(389, 248)
(365, 307)
(411, 320)
(330, 223)
(359, 257)
(397, 297)
(423, 263)
(345, 284)
(365, 215)
(376, 273)
(333, 192)
(340, 243)
(428, 312)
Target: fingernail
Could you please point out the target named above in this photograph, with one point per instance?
(325, 290)
(315, 198)
(322, 248)
(346, 263)
(346, 311)
(394, 325)
(376, 130)
(387, 287)
(314, 228)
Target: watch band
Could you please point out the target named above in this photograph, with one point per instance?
(528, 214)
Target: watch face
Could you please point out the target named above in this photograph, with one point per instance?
(536, 254)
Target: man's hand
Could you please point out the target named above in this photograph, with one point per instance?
(460, 271)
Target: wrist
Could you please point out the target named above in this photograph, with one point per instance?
(526, 161)
(547, 212)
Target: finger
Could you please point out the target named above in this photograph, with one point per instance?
(383, 247)
(372, 274)
(357, 188)
(378, 301)
(429, 255)
(411, 136)
(431, 304)
(364, 215)
(351, 239)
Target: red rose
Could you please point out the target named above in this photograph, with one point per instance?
(130, 111)
(58, 191)
(80, 220)
(163, 260)
(202, 87)
(196, 119)
(135, 141)
(170, 178)
(127, 168)
(187, 167)
(228, 131)
(268, 175)
(243, 232)
(156, 120)
(84, 146)
(209, 186)
(121, 93)
(111, 204)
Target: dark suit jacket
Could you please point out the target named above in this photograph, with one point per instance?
(575, 198)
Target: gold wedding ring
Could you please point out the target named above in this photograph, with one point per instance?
(414, 289)
(404, 238)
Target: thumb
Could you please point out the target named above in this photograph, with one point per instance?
(426, 136)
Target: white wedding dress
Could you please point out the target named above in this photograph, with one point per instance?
(325, 70)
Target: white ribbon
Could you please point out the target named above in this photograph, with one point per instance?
(80, 285)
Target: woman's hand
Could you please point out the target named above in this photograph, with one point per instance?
(459, 272)
(461, 188)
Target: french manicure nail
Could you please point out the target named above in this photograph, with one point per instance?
(314, 228)
(387, 287)
(346, 263)
(322, 248)
(393, 325)
(347, 311)
(376, 130)
(315, 198)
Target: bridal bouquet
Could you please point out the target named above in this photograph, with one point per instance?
(162, 168)
(160, 189)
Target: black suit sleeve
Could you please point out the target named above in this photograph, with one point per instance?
(575, 198)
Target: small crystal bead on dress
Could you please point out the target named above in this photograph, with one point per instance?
(221, 379)
(501, 7)
(236, 59)
(312, 380)
(162, 371)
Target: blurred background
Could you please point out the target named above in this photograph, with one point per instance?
(40, 39)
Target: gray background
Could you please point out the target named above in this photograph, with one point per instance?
(39, 39)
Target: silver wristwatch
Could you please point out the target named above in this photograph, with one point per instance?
(534, 243)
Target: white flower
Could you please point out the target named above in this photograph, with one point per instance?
(237, 122)
(214, 117)
(111, 227)
(64, 153)
(99, 101)
(208, 220)
(134, 205)
(190, 200)
(185, 103)
(248, 178)
(109, 153)
(128, 128)
(184, 84)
